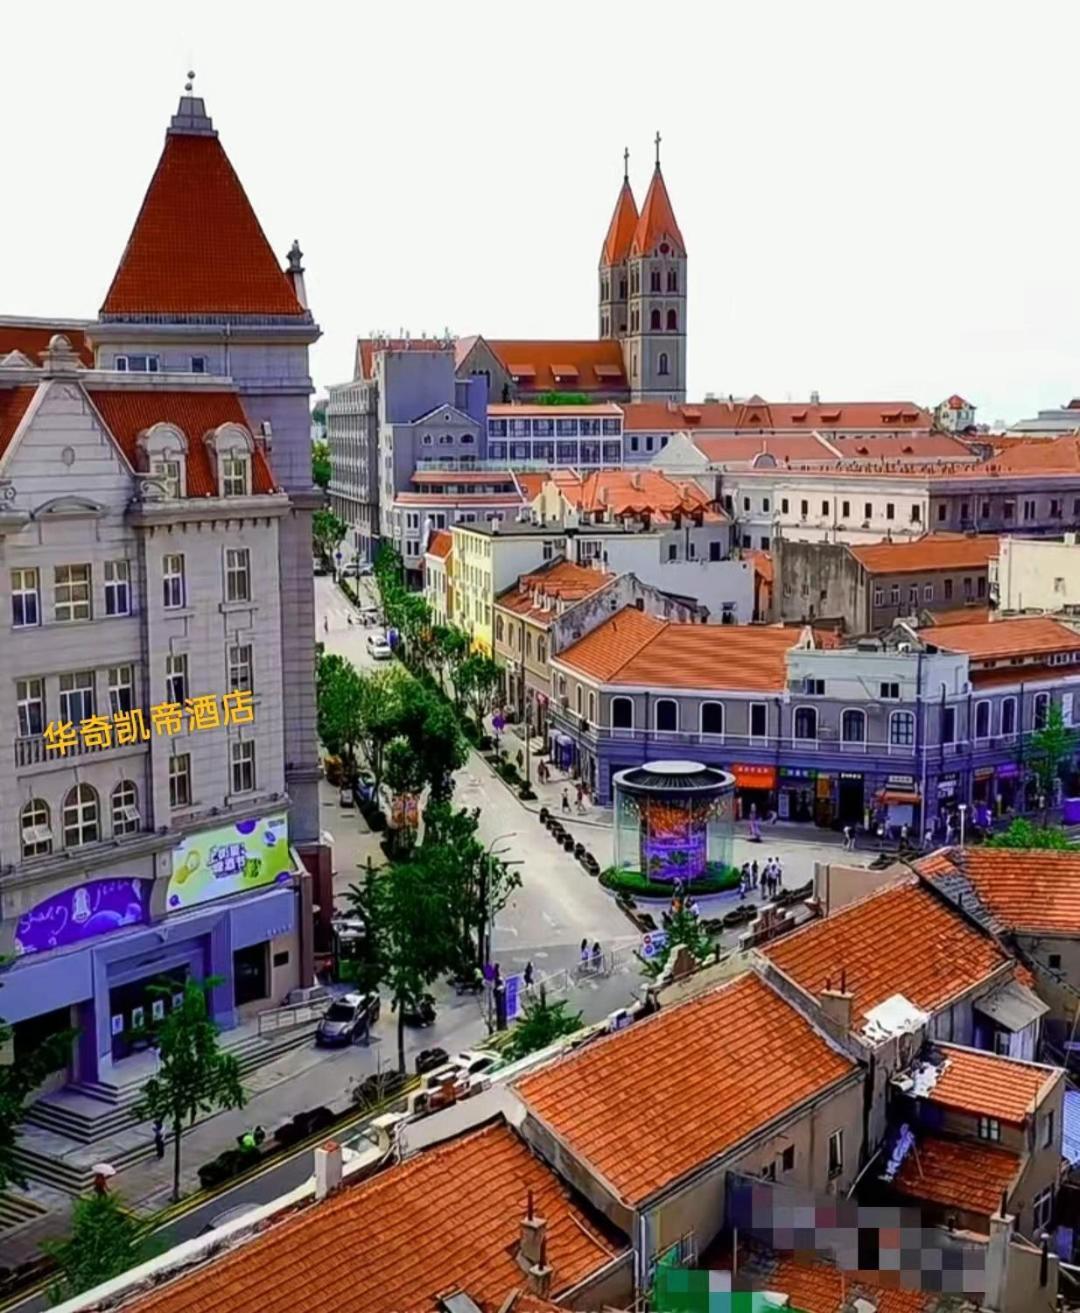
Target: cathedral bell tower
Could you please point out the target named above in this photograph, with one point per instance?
(614, 275)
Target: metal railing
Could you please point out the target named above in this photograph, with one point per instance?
(34, 751)
(275, 1020)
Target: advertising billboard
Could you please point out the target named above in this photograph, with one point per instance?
(231, 859)
(84, 912)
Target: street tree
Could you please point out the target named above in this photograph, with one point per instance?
(541, 1023)
(18, 1080)
(1051, 746)
(320, 464)
(194, 1074)
(327, 529)
(341, 702)
(405, 915)
(105, 1241)
(478, 679)
(682, 927)
(451, 649)
(1023, 833)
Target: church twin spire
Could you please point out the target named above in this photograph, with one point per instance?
(636, 233)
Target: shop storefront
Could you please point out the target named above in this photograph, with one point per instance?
(755, 791)
(798, 794)
(1009, 785)
(900, 805)
(850, 798)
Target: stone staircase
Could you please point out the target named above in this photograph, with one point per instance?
(16, 1210)
(66, 1132)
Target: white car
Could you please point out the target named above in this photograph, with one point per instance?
(378, 648)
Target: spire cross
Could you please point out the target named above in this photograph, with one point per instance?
(626, 164)
(658, 150)
(189, 84)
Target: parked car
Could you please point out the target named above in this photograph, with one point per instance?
(318, 565)
(369, 616)
(473, 1062)
(229, 1215)
(379, 648)
(348, 1018)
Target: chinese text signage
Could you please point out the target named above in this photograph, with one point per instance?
(206, 711)
(230, 860)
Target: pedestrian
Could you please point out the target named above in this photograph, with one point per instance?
(566, 800)
(849, 838)
(580, 793)
(159, 1139)
(929, 837)
(349, 618)
(754, 874)
(778, 873)
(904, 836)
(584, 955)
(528, 977)
(597, 957)
(325, 624)
(693, 909)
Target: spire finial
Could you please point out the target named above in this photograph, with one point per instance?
(626, 164)
(658, 148)
(189, 85)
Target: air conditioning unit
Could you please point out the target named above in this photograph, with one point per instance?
(826, 732)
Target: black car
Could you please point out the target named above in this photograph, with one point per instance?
(348, 1019)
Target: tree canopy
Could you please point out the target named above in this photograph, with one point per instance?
(541, 1023)
(1023, 833)
(105, 1241)
(320, 464)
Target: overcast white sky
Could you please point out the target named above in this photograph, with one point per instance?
(878, 200)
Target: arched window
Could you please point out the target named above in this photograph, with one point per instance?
(662, 363)
(1042, 710)
(622, 713)
(580, 695)
(592, 708)
(806, 723)
(902, 729)
(672, 280)
(982, 720)
(1008, 716)
(654, 281)
(712, 718)
(36, 830)
(667, 714)
(853, 726)
(622, 289)
(81, 817)
(125, 808)
(654, 319)
(672, 321)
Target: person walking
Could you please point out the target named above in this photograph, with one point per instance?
(326, 624)
(754, 874)
(584, 955)
(159, 1139)
(528, 977)
(778, 874)
(849, 838)
(597, 957)
(566, 800)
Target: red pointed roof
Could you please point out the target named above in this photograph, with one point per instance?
(620, 231)
(657, 220)
(197, 247)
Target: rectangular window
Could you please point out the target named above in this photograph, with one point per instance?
(198, 365)
(117, 588)
(941, 512)
(25, 599)
(879, 596)
(30, 695)
(243, 766)
(77, 696)
(121, 689)
(240, 672)
(836, 1153)
(180, 780)
(758, 720)
(1053, 960)
(984, 510)
(890, 691)
(234, 476)
(1042, 1208)
(172, 581)
(894, 594)
(845, 511)
(71, 593)
(804, 508)
(1048, 1129)
(167, 472)
(868, 511)
(765, 505)
(928, 592)
(138, 364)
(783, 505)
(948, 724)
(989, 1129)
(916, 514)
(824, 508)
(814, 687)
(714, 551)
(948, 590)
(176, 678)
(890, 511)
(787, 1159)
(237, 574)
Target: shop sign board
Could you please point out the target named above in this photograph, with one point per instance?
(231, 859)
(83, 912)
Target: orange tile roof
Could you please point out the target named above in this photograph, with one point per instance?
(647, 1105)
(13, 404)
(620, 231)
(367, 348)
(817, 1287)
(561, 581)
(935, 551)
(197, 247)
(632, 648)
(958, 1174)
(626, 492)
(1024, 636)
(904, 447)
(195, 413)
(585, 355)
(745, 448)
(899, 940)
(441, 544)
(762, 562)
(656, 222)
(1024, 889)
(987, 1085)
(861, 417)
(445, 1220)
(531, 483)
(32, 339)
(961, 615)
(1059, 455)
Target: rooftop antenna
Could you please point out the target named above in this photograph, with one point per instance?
(189, 85)
(626, 164)
(658, 139)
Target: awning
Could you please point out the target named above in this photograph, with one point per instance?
(754, 777)
(1013, 1006)
(565, 371)
(607, 371)
(899, 798)
(521, 371)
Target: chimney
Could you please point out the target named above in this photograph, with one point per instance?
(815, 398)
(295, 272)
(327, 1168)
(836, 1004)
(60, 359)
(997, 1262)
(532, 1253)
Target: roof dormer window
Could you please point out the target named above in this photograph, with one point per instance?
(235, 475)
(170, 474)
(163, 456)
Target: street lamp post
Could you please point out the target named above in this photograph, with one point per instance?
(485, 893)
(963, 817)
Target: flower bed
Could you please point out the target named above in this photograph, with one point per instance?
(639, 886)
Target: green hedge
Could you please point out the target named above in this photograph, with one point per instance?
(639, 886)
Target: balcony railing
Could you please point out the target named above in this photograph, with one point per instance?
(34, 751)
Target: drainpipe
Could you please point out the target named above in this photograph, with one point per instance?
(920, 737)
